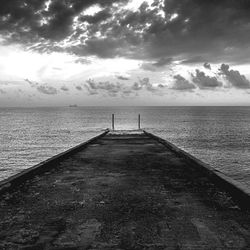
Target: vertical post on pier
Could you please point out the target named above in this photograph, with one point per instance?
(113, 122)
(139, 121)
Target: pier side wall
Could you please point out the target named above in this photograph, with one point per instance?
(16, 180)
(239, 192)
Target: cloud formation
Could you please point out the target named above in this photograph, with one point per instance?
(145, 84)
(234, 77)
(112, 89)
(207, 65)
(123, 78)
(121, 89)
(188, 29)
(64, 88)
(42, 88)
(182, 84)
(47, 90)
(50, 20)
(78, 87)
(205, 82)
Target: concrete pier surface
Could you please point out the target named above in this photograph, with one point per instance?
(121, 191)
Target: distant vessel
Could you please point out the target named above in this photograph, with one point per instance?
(73, 106)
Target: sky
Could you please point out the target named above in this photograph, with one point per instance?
(124, 52)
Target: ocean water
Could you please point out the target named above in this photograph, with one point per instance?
(220, 136)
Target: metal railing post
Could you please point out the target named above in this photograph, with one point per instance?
(113, 122)
(139, 121)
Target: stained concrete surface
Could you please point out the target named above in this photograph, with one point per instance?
(122, 192)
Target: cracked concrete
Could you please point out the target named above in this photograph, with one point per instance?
(122, 192)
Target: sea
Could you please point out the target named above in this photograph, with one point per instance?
(219, 136)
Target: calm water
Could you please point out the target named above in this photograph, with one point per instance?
(219, 136)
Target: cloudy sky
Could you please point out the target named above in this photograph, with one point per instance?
(124, 52)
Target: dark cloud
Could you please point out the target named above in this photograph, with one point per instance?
(78, 87)
(123, 78)
(90, 90)
(42, 88)
(102, 47)
(182, 84)
(47, 90)
(64, 88)
(208, 27)
(163, 61)
(195, 30)
(234, 77)
(37, 23)
(205, 82)
(145, 84)
(207, 66)
(112, 89)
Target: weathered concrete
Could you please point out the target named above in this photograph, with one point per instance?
(239, 192)
(17, 179)
(122, 192)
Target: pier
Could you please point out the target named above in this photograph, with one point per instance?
(123, 190)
